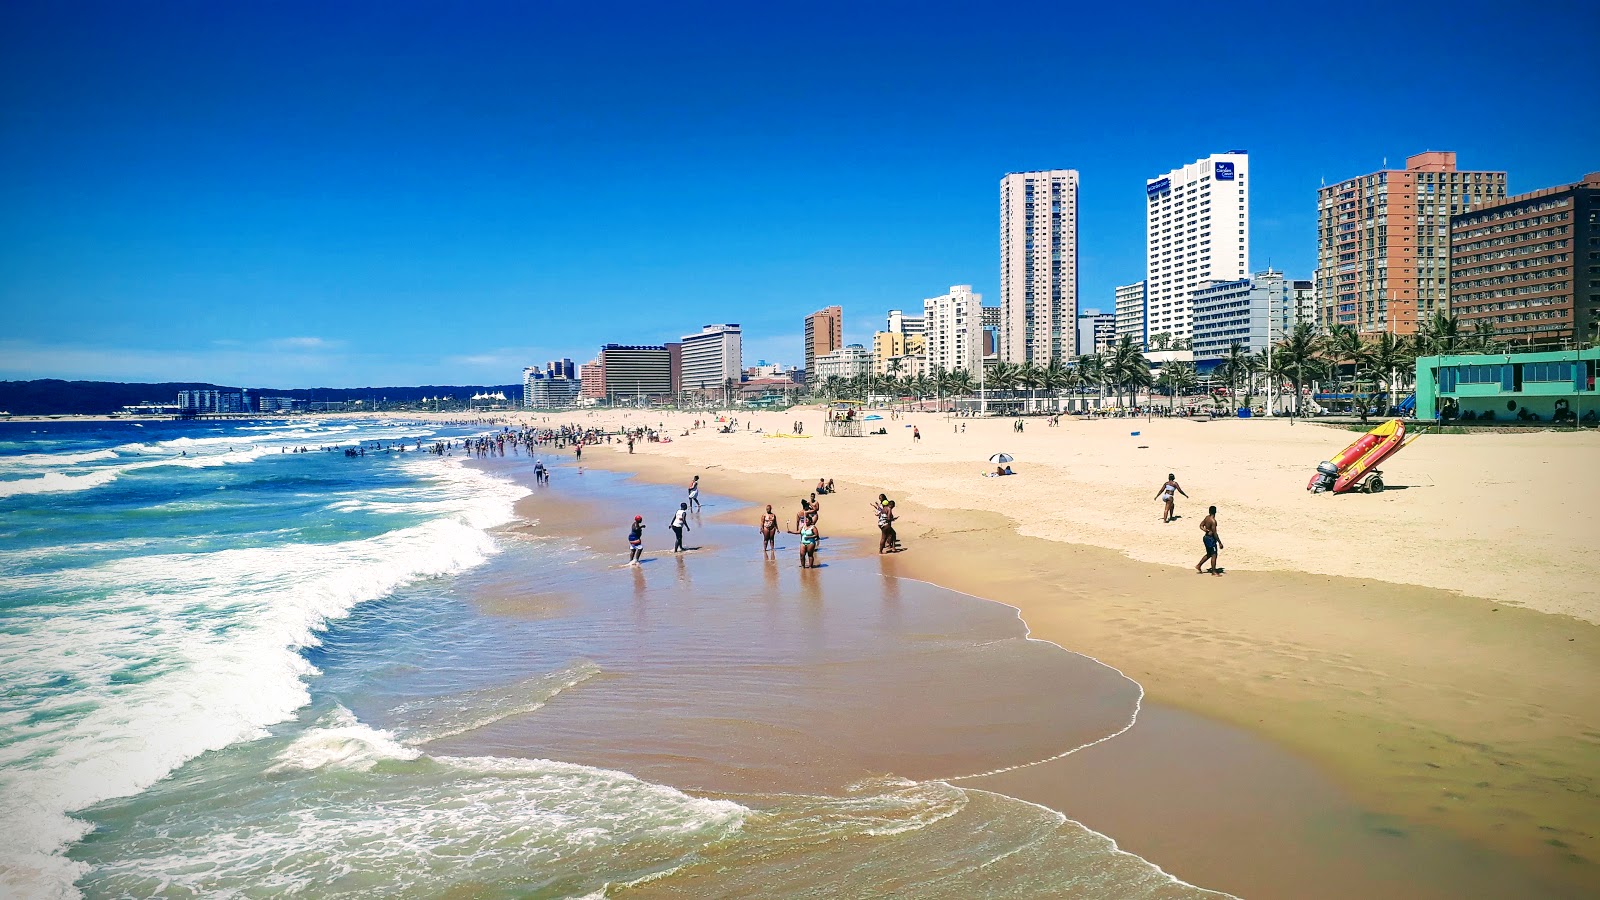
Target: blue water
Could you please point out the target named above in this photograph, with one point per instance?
(233, 669)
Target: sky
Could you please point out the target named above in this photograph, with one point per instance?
(347, 194)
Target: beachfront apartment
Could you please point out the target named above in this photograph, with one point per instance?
(1096, 332)
(1383, 242)
(824, 334)
(637, 372)
(1530, 265)
(592, 380)
(900, 323)
(549, 390)
(1131, 322)
(712, 358)
(892, 349)
(1544, 387)
(849, 361)
(1197, 230)
(953, 332)
(1038, 266)
(1251, 312)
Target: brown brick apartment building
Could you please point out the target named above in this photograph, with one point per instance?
(1383, 242)
(824, 334)
(1530, 265)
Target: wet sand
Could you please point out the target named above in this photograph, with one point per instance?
(1210, 803)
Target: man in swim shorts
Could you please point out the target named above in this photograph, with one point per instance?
(1213, 542)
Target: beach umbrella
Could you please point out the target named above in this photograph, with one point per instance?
(1002, 458)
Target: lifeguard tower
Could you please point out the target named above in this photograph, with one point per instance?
(844, 419)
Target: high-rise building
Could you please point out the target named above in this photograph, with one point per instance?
(562, 368)
(900, 323)
(1197, 228)
(1383, 242)
(1096, 331)
(1530, 265)
(954, 330)
(1038, 265)
(1304, 309)
(549, 388)
(1130, 314)
(675, 365)
(1250, 312)
(712, 358)
(824, 334)
(636, 371)
(592, 380)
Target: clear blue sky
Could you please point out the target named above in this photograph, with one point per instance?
(391, 193)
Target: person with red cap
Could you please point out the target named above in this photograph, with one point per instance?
(636, 541)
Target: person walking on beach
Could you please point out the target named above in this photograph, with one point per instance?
(1213, 543)
(636, 541)
(808, 547)
(1166, 496)
(916, 434)
(680, 524)
(769, 531)
(694, 493)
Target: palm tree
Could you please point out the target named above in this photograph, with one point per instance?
(1055, 376)
(1441, 334)
(1295, 358)
(961, 382)
(1481, 340)
(1347, 347)
(1160, 341)
(1177, 376)
(1388, 356)
(1092, 370)
(1127, 367)
(1233, 370)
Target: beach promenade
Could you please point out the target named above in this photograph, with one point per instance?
(1435, 648)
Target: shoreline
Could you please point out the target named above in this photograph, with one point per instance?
(1356, 720)
(1290, 831)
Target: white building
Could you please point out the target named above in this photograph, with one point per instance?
(849, 361)
(1130, 314)
(712, 357)
(1198, 230)
(953, 335)
(1038, 266)
(900, 323)
(1250, 312)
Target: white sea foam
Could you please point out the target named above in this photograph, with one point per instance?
(35, 460)
(343, 742)
(57, 482)
(215, 640)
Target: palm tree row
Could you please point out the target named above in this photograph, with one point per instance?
(1363, 366)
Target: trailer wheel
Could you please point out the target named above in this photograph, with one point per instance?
(1375, 484)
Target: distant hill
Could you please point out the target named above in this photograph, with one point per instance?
(52, 396)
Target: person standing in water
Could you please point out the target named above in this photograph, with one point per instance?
(1213, 542)
(1167, 496)
(885, 512)
(694, 493)
(636, 541)
(808, 546)
(680, 524)
(769, 531)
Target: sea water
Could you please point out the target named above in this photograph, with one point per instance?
(232, 668)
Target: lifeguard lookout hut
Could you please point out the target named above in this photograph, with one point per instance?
(844, 419)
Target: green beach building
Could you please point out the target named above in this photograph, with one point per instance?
(1557, 385)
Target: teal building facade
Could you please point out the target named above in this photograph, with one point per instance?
(1557, 385)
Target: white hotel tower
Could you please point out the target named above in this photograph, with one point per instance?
(1198, 226)
(1039, 266)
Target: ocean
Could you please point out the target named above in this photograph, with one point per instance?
(231, 668)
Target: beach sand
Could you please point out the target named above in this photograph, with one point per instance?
(1434, 648)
